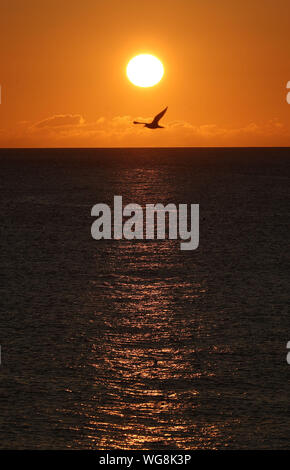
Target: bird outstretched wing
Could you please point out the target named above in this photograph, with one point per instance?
(159, 116)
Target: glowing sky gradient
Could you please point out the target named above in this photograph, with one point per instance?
(64, 83)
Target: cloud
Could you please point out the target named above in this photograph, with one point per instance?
(59, 120)
(73, 130)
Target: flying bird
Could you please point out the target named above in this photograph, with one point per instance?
(155, 123)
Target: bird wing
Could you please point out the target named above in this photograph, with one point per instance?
(159, 116)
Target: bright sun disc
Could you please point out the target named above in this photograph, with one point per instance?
(145, 70)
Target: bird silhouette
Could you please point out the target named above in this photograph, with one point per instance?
(155, 123)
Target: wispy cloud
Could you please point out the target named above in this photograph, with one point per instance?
(74, 130)
(60, 120)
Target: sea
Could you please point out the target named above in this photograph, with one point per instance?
(137, 344)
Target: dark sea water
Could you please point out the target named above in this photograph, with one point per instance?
(137, 344)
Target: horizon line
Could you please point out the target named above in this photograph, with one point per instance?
(148, 148)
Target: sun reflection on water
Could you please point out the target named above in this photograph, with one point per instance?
(147, 361)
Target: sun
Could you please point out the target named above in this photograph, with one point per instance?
(145, 70)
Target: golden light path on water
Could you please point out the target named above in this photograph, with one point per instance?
(149, 370)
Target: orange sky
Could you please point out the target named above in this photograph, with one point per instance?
(64, 84)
